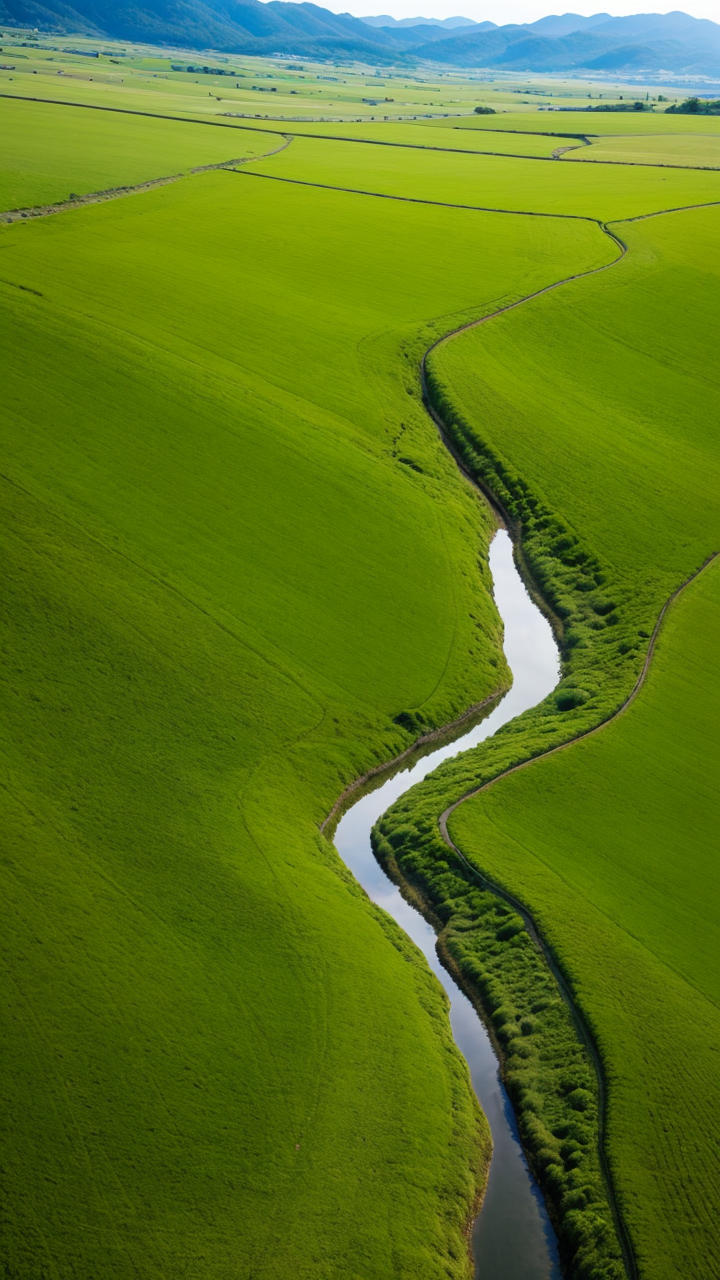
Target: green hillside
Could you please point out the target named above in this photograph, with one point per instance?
(240, 551)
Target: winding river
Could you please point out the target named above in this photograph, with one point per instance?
(512, 1237)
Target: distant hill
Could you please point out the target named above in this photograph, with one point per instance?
(673, 43)
(654, 43)
(384, 20)
(566, 24)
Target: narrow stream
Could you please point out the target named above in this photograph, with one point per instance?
(512, 1237)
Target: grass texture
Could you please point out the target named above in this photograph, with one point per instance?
(49, 152)
(598, 438)
(664, 149)
(409, 135)
(238, 552)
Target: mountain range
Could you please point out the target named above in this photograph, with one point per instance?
(655, 44)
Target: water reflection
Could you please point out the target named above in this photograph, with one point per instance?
(512, 1237)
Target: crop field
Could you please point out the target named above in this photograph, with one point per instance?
(591, 123)
(671, 149)
(495, 182)
(326, 542)
(48, 153)
(411, 135)
(242, 569)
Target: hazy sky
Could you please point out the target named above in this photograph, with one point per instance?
(501, 11)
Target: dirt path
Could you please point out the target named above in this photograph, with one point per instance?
(115, 193)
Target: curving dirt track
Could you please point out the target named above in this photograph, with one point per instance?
(115, 193)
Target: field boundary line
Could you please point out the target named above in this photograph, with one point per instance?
(479, 208)
(374, 142)
(440, 204)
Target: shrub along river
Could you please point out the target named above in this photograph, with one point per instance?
(512, 1237)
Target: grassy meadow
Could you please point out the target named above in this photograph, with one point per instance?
(594, 124)
(239, 560)
(685, 149)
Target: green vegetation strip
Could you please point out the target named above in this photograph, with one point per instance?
(601, 591)
(642, 898)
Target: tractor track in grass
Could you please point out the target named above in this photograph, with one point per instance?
(584, 140)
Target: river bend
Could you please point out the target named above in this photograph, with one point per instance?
(512, 1237)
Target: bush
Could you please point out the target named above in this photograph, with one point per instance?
(502, 1015)
(580, 1099)
(567, 698)
(484, 111)
(695, 107)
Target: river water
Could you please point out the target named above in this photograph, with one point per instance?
(512, 1236)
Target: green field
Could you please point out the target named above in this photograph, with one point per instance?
(593, 123)
(671, 149)
(243, 568)
(48, 154)
(238, 559)
(493, 182)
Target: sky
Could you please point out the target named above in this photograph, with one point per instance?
(501, 11)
